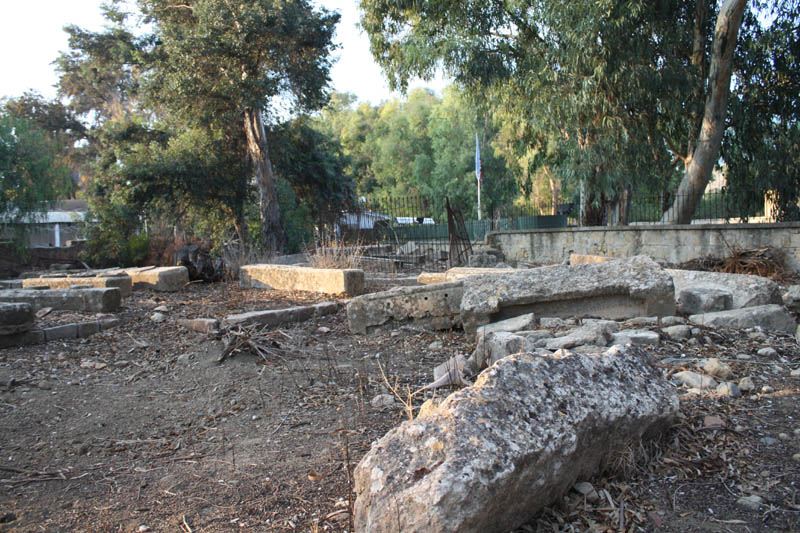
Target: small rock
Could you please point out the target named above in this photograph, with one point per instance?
(757, 335)
(672, 321)
(143, 528)
(751, 503)
(158, 317)
(746, 384)
(585, 489)
(796, 457)
(44, 385)
(795, 372)
(551, 322)
(678, 332)
(743, 356)
(323, 329)
(768, 352)
(783, 436)
(729, 389)
(766, 389)
(161, 309)
(769, 441)
(382, 401)
(436, 345)
(695, 380)
(718, 369)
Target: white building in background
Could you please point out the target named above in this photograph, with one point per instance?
(49, 229)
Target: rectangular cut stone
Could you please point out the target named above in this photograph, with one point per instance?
(456, 273)
(65, 331)
(349, 282)
(106, 300)
(530, 427)
(429, 306)
(164, 279)
(273, 317)
(122, 282)
(15, 317)
(34, 336)
(618, 289)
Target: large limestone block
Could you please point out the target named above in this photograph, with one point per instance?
(429, 306)
(618, 289)
(106, 300)
(349, 282)
(15, 318)
(493, 455)
(773, 317)
(122, 282)
(164, 279)
(746, 291)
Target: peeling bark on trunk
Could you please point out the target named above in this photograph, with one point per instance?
(272, 236)
(702, 161)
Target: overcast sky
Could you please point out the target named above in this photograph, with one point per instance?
(31, 36)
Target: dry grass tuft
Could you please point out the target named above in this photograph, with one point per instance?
(331, 253)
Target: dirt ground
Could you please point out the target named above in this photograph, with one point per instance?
(139, 428)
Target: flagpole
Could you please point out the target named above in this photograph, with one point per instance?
(478, 172)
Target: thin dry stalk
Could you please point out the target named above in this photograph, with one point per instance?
(408, 401)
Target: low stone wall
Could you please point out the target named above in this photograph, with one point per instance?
(105, 300)
(349, 282)
(73, 330)
(122, 282)
(669, 243)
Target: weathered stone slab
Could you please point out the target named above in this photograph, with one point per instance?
(164, 279)
(428, 306)
(122, 282)
(491, 456)
(105, 300)
(619, 289)
(273, 317)
(15, 317)
(774, 317)
(349, 282)
(696, 299)
(517, 323)
(746, 291)
(457, 273)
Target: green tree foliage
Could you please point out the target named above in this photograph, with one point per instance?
(31, 172)
(179, 105)
(761, 148)
(420, 146)
(608, 95)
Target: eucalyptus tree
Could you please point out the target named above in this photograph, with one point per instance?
(633, 92)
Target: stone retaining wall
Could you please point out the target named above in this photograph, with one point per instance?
(672, 244)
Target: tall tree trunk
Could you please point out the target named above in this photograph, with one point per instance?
(702, 160)
(273, 238)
